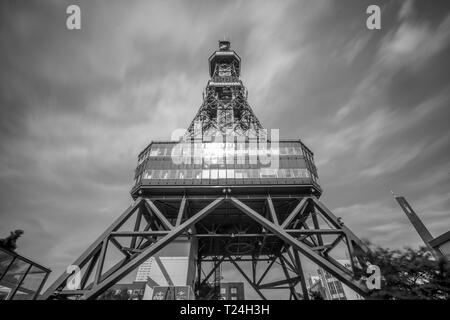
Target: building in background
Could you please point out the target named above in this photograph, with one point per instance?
(173, 293)
(166, 272)
(333, 289)
(124, 291)
(316, 286)
(232, 291)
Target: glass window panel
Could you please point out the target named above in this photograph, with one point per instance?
(306, 173)
(289, 173)
(284, 151)
(14, 274)
(156, 174)
(181, 174)
(300, 163)
(164, 174)
(5, 260)
(222, 174)
(147, 174)
(254, 173)
(163, 149)
(198, 174)
(206, 161)
(30, 284)
(239, 174)
(205, 174)
(230, 173)
(214, 160)
(189, 174)
(169, 149)
(172, 174)
(296, 173)
(284, 162)
(268, 173)
(214, 173)
(155, 151)
(198, 160)
(4, 293)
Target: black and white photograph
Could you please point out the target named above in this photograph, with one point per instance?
(206, 151)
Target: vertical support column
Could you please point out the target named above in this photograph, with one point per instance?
(199, 273)
(301, 274)
(247, 278)
(273, 214)
(316, 225)
(136, 227)
(181, 211)
(286, 273)
(90, 267)
(101, 261)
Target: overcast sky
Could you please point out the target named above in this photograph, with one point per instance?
(76, 107)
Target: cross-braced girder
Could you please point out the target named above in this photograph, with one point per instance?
(268, 228)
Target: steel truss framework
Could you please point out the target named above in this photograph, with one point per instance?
(225, 108)
(276, 229)
(225, 116)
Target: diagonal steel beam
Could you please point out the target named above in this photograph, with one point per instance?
(216, 265)
(90, 267)
(304, 249)
(270, 285)
(118, 246)
(148, 252)
(181, 211)
(302, 274)
(153, 208)
(273, 214)
(164, 271)
(334, 220)
(101, 261)
(299, 208)
(137, 225)
(265, 272)
(292, 283)
(254, 286)
(84, 258)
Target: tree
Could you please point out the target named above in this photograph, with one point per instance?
(411, 274)
(9, 243)
(208, 291)
(315, 295)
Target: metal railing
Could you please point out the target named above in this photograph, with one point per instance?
(20, 278)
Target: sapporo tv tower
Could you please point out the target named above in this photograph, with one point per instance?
(234, 192)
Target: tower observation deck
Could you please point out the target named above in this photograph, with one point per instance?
(226, 145)
(235, 191)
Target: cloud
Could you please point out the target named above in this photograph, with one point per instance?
(412, 44)
(406, 10)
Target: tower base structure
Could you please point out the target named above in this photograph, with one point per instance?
(230, 224)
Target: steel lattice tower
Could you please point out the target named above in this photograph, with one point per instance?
(246, 197)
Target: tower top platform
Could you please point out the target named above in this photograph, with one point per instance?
(224, 56)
